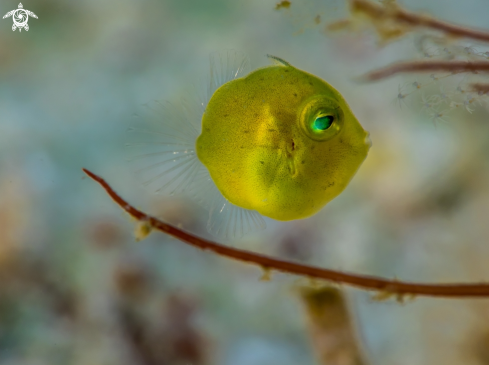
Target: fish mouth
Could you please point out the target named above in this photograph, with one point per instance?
(368, 141)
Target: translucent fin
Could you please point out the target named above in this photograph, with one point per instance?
(223, 67)
(278, 60)
(230, 221)
(226, 220)
(161, 148)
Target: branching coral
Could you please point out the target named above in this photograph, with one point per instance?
(391, 22)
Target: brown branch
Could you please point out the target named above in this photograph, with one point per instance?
(480, 88)
(426, 66)
(392, 12)
(386, 287)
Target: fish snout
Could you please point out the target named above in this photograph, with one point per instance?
(368, 141)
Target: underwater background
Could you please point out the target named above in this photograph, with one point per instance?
(75, 288)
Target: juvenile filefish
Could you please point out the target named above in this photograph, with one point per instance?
(276, 142)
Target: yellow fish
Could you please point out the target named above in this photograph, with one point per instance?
(276, 142)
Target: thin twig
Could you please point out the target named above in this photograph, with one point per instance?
(426, 66)
(388, 287)
(395, 13)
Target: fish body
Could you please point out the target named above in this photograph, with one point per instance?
(276, 142)
(260, 155)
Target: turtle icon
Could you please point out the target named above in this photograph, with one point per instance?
(20, 17)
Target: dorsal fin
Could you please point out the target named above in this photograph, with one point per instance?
(278, 60)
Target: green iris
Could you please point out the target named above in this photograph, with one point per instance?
(322, 123)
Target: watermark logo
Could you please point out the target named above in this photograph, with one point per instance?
(20, 17)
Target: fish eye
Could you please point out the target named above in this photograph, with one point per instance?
(322, 122)
(320, 118)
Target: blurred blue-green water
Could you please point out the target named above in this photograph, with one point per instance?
(76, 289)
